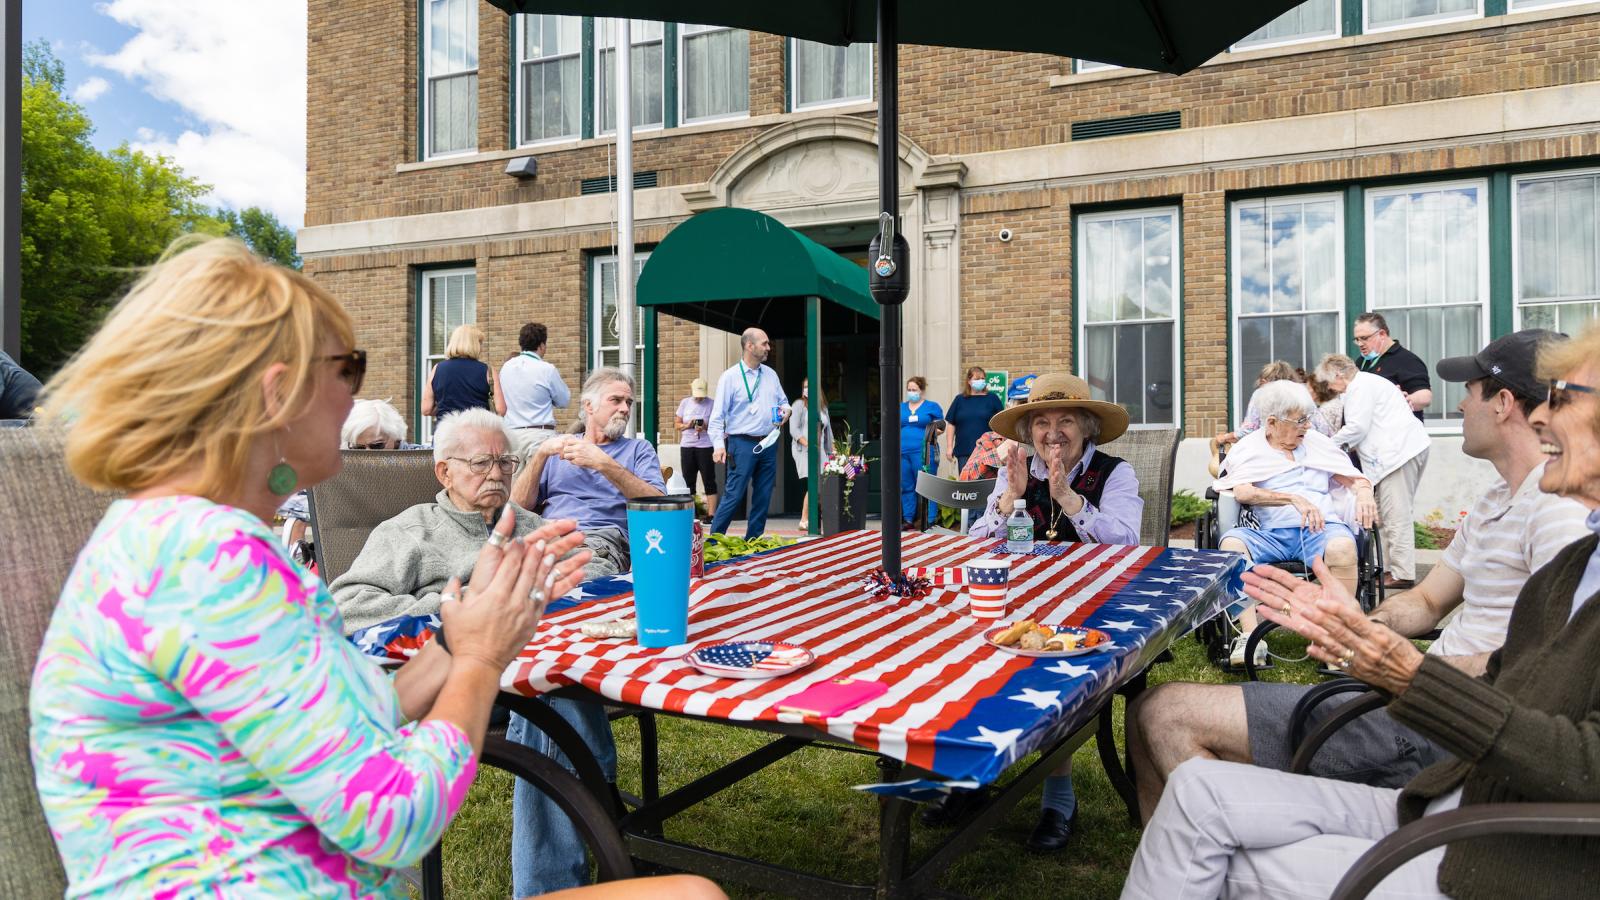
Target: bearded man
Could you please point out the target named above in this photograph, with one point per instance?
(590, 478)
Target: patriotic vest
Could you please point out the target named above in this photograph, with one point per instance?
(1090, 483)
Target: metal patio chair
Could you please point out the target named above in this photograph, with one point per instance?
(966, 496)
(1152, 452)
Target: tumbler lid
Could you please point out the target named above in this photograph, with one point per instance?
(666, 503)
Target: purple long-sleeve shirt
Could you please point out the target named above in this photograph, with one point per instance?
(1114, 521)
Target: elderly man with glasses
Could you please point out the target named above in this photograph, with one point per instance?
(403, 568)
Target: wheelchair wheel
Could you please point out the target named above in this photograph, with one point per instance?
(1369, 571)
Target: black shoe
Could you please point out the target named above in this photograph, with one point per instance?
(955, 808)
(1053, 831)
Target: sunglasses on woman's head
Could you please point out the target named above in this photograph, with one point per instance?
(352, 368)
(1561, 393)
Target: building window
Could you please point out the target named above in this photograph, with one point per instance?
(448, 298)
(605, 339)
(648, 74)
(1428, 274)
(1288, 284)
(714, 72)
(1556, 251)
(550, 73)
(1089, 65)
(1382, 15)
(825, 75)
(1128, 297)
(450, 54)
(1310, 21)
(1520, 5)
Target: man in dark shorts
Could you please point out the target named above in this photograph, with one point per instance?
(1383, 355)
(1512, 531)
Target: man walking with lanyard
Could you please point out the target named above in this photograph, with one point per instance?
(533, 391)
(749, 405)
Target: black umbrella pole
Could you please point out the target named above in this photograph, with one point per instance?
(889, 480)
(890, 279)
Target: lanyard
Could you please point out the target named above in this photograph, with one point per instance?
(750, 395)
(532, 355)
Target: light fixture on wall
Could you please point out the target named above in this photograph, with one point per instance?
(1005, 235)
(523, 167)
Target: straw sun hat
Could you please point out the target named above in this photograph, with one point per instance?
(1057, 391)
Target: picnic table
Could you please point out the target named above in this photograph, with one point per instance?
(958, 713)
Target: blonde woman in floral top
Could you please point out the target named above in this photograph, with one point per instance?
(199, 725)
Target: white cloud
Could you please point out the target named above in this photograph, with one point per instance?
(238, 70)
(92, 89)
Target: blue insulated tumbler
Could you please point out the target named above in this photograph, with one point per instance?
(659, 535)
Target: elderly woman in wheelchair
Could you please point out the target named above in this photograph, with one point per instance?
(1298, 494)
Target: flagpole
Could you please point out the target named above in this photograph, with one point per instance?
(889, 281)
(623, 48)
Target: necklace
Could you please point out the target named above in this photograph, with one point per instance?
(1055, 519)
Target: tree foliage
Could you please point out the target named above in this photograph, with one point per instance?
(262, 231)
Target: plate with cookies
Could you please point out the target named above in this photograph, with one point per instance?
(1029, 638)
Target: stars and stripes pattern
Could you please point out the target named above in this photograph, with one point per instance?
(953, 705)
(938, 576)
(764, 655)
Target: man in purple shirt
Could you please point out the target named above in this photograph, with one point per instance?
(591, 477)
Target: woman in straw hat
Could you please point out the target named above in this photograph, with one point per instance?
(1073, 492)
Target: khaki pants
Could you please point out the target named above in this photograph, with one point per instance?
(1395, 495)
(1229, 830)
(528, 440)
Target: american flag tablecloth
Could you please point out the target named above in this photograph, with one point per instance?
(955, 705)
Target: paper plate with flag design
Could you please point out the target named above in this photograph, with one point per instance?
(750, 659)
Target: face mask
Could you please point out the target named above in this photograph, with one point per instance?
(913, 396)
(805, 392)
(976, 384)
(1368, 357)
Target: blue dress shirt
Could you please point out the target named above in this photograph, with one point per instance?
(744, 401)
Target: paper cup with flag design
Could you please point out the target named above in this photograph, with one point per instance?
(988, 587)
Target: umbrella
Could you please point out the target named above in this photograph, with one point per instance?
(1160, 35)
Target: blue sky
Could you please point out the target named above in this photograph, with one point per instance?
(216, 85)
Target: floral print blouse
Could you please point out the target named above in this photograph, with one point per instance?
(201, 728)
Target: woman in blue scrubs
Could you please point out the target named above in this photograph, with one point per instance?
(915, 415)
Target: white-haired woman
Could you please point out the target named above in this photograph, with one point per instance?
(373, 425)
(1073, 491)
(200, 727)
(1303, 493)
(462, 380)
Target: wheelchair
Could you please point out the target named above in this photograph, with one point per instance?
(1224, 513)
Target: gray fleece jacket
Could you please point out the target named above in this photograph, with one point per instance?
(408, 560)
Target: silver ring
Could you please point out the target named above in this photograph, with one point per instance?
(448, 597)
(496, 539)
(538, 595)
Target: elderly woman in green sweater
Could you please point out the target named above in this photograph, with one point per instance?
(1526, 730)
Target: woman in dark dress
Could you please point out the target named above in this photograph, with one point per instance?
(969, 416)
(463, 380)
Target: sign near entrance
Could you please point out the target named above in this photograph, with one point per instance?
(997, 384)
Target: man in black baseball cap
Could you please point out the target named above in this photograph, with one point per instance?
(1507, 360)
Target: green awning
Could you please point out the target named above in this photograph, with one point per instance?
(733, 268)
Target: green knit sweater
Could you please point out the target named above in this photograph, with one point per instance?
(1527, 730)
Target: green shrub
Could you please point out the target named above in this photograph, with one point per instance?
(1186, 507)
(1424, 537)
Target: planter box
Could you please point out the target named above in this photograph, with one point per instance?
(834, 519)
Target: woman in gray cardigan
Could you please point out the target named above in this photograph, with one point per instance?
(1528, 729)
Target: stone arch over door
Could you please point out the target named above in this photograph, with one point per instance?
(824, 171)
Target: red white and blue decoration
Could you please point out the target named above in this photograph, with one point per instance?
(750, 659)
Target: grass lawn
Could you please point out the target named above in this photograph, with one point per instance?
(802, 814)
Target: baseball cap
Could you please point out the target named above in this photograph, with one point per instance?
(1020, 387)
(1508, 360)
(697, 388)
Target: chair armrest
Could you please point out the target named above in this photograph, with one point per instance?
(1353, 710)
(1428, 832)
(593, 821)
(1314, 698)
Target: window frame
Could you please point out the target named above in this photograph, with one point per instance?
(1236, 275)
(427, 79)
(1080, 305)
(425, 360)
(1335, 29)
(1085, 66)
(597, 114)
(1517, 306)
(1368, 28)
(1512, 5)
(519, 88)
(595, 306)
(790, 58)
(683, 89)
(1369, 198)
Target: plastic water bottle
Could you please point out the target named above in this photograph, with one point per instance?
(1019, 529)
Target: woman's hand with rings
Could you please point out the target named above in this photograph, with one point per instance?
(1340, 633)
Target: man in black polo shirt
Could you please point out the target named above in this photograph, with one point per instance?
(1383, 355)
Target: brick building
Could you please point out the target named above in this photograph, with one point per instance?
(1437, 160)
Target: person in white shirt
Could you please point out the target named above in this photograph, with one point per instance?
(1393, 448)
(1510, 533)
(750, 405)
(533, 391)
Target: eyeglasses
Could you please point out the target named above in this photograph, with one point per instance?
(1561, 393)
(1301, 422)
(479, 465)
(371, 445)
(353, 368)
(1363, 338)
